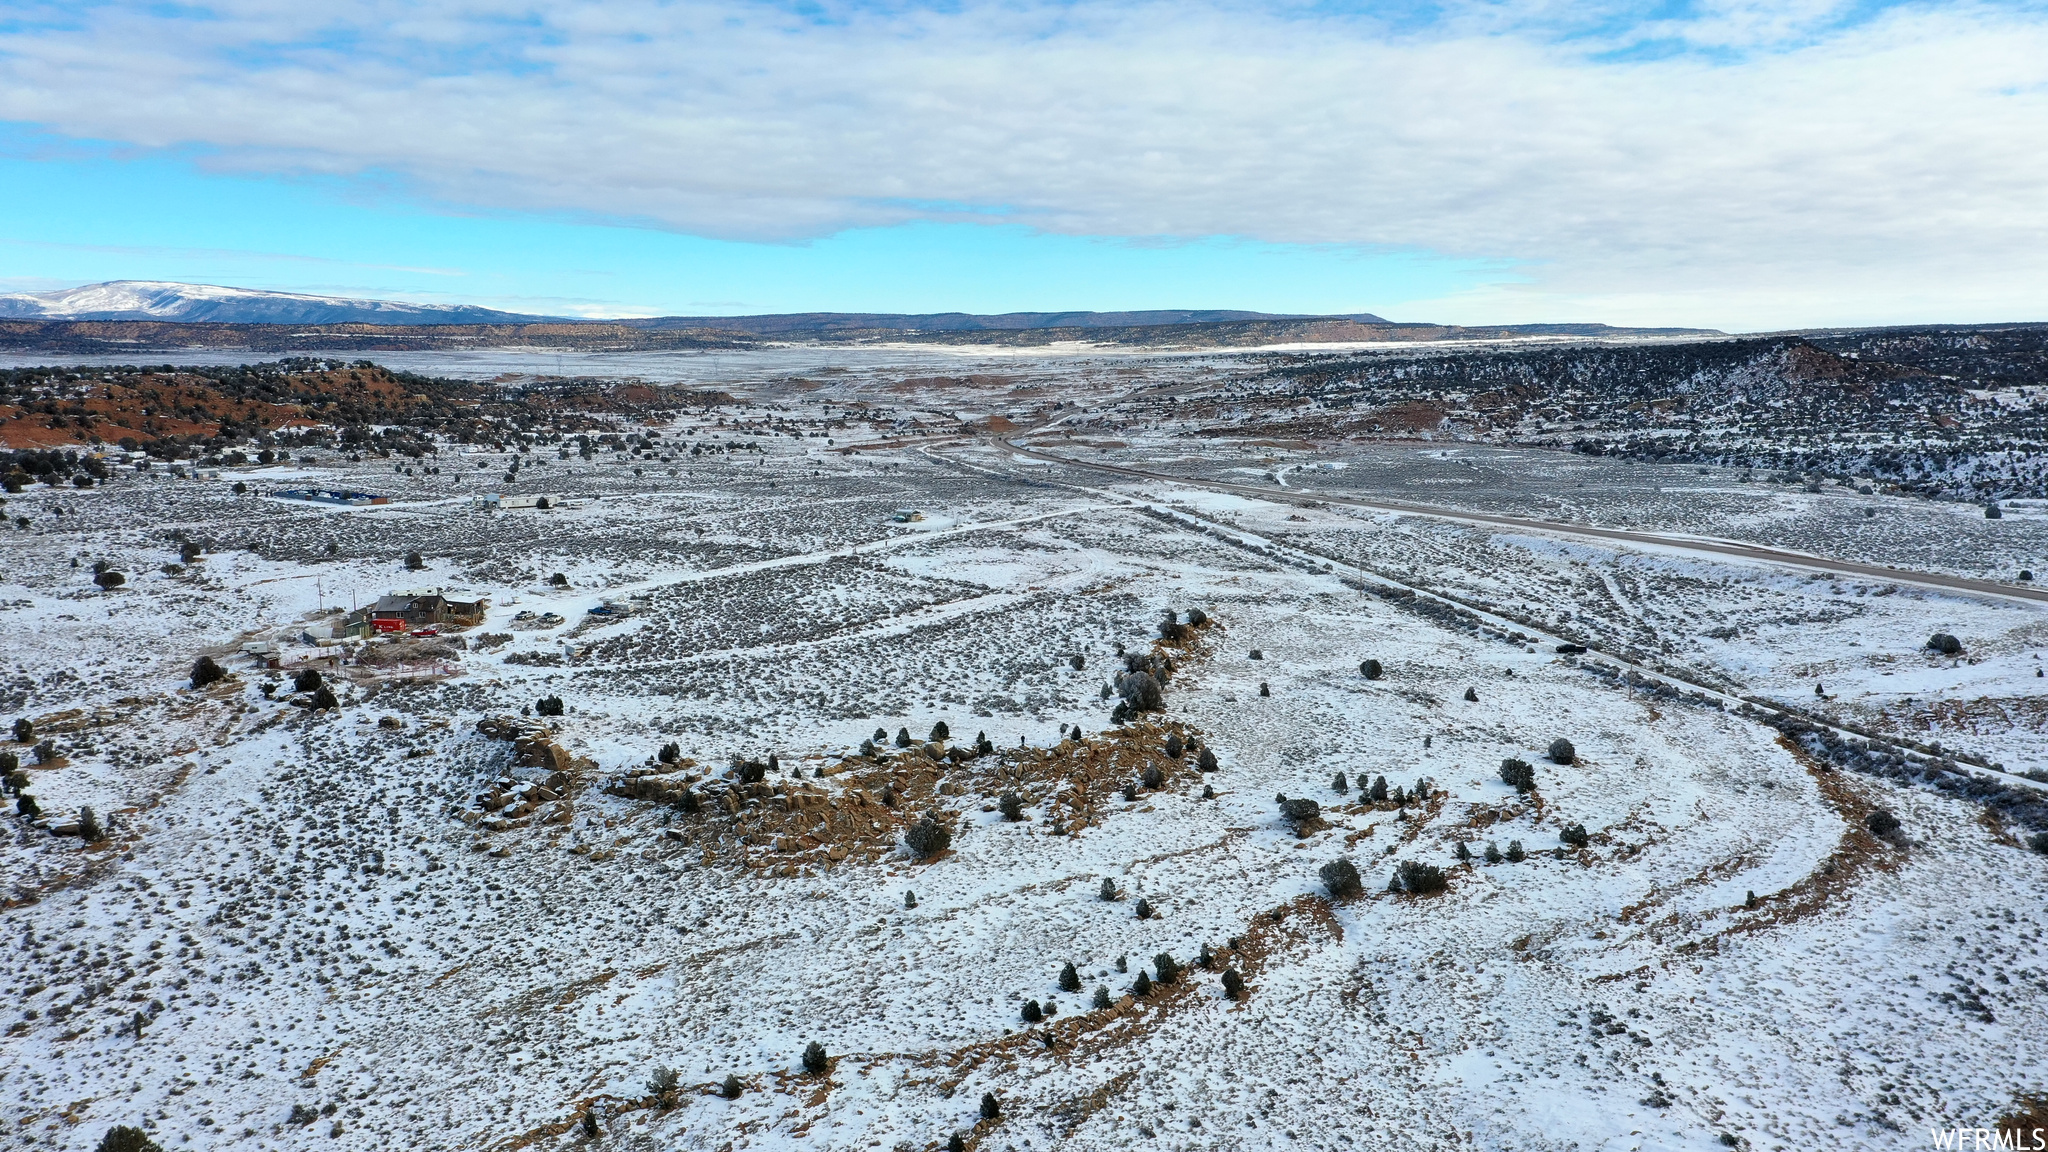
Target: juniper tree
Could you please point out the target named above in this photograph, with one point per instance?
(1033, 1014)
(1144, 909)
(1340, 784)
(1070, 980)
(1464, 853)
(1140, 691)
(1108, 888)
(1492, 852)
(1153, 777)
(928, 837)
(731, 1088)
(1340, 876)
(414, 562)
(1142, 986)
(1515, 853)
(1300, 811)
(1574, 835)
(89, 829)
(1123, 964)
(955, 1143)
(1207, 761)
(205, 671)
(670, 753)
(1130, 793)
(1264, 689)
(982, 745)
(1012, 806)
(306, 680)
(1077, 664)
(24, 730)
(1749, 900)
(26, 805)
(1197, 618)
(990, 1106)
(590, 1128)
(122, 1138)
(815, 1062)
(1233, 984)
(1370, 669)
(1472, 695)
(1418, 877)
(1561, 751)
(1206, 958)
(909, 899)
(1173, 745)
(1519, 773)
(325, 699)
(881, 735)
(1379, 789)
(1101, 996)
(903, 739)
(1208, 792)
(940, 732)
(662, 1086)
(1167, 967)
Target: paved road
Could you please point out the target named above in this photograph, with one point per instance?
(1733, 548)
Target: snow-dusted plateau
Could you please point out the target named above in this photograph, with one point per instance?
(807, 748)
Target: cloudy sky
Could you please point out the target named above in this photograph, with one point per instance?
(1726, 164)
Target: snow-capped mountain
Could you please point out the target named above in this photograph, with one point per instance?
(188, 303)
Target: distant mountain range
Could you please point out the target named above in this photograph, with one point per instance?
(836, 323)
(168, 302)
(138, 315)
(210, 304)
(162, 300)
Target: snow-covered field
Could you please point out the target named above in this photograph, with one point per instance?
(303, 928)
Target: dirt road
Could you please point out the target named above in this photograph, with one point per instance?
(1737, 549)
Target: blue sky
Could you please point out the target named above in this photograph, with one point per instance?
(1721, 163)
(80, 219)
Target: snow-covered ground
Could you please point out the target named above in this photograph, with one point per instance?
(326, 940)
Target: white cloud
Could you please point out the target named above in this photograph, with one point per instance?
(1794, 170)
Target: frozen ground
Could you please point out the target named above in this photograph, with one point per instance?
(328, 940)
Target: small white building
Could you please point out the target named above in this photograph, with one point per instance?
(508, 503)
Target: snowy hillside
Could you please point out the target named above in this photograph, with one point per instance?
(808, 712)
